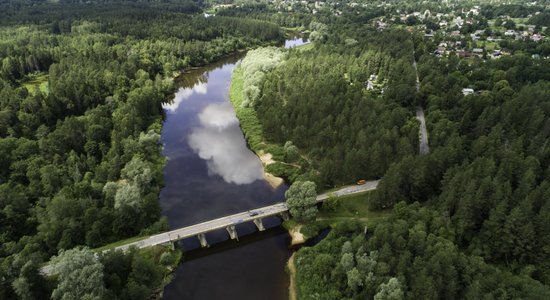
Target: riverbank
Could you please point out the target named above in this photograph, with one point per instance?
(291, 267)
(252, 129)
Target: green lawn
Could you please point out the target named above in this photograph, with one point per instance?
(120, 243)
(351, 207)
(37, 82)
(306, 47)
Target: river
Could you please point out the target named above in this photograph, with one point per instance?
(210, 173)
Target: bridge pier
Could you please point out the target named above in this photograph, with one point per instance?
(259, 224)
(285, 216)
(232, 232)
(202, 240)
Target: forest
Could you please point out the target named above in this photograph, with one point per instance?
(80, 118)
(81, 88)
(343, 131)
(470, 219)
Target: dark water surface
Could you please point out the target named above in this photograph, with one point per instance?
(211, 173)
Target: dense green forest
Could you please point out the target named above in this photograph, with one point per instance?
(343, 131)
(470, 219)
(81, 89)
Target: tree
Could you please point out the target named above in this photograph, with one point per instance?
(347, 261)
(390, 291)
(301, 200)
(128, 195)
(80, 275)
(355, 279)
(292, 153)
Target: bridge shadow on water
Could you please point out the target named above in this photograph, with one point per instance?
(198, 252)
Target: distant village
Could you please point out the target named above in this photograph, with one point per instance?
(462, 31)
(455, 28)
(482, 42)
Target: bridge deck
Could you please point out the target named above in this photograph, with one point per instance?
(212, 225)
(231, 220)
(247, 216)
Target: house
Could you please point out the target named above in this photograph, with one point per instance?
(510, 32)
(440, 51)
(464, 54)
(458, 22)
(477, 52)
(536, 37)
(505, 51)
(479, 32)
(467, 91)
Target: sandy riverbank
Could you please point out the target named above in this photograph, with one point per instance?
(267, 159)
(296, 236)
(292, 274)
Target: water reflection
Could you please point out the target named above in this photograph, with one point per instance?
(298, 41)
(220, 142)
(184, 94)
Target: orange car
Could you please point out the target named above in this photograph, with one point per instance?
(362, 181)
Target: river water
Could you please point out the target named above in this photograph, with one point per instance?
(211, 173)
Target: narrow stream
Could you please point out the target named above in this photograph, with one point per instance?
(211, 173)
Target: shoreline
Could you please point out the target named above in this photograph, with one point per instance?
(291, 267)
(251, 128)
(267, 158)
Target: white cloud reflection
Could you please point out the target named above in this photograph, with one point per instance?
(219, 141)
(184, 94)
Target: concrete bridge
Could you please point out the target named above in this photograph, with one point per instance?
(229, 222)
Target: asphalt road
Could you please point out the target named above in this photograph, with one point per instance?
(348, 190)
(204, 227)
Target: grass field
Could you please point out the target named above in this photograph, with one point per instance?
(37, 83)
(305, 47)
(120, 243)
(351, 207)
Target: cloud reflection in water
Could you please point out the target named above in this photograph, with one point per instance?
(183, 94)
(219, 141)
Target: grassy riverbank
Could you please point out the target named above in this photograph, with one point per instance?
(271, 155)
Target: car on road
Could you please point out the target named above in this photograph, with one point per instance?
(252, 214)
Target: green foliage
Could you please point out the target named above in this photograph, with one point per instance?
(81, 161)
(254, 67)
(390, 290)
(342, 132)
(80, 275)
(488, 161)
(301, 200)
(412, 255)
(137, 274)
